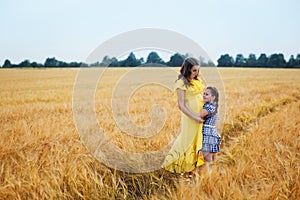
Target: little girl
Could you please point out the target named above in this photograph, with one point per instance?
(211, 137)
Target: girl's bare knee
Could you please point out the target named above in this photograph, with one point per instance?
(207, 156)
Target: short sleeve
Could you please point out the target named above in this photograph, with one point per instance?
(211, 108)
(179, 84)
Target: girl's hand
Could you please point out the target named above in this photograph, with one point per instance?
(199, 119)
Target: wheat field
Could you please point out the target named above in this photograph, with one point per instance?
(42, 155)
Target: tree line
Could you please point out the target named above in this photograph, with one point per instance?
(131, 61)
(275, 60)
(153, 59)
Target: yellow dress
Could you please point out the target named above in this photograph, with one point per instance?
(183, 156)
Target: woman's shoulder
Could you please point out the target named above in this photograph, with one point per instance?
(179, 84)
(180, 80)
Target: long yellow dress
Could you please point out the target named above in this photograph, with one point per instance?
(183, 156)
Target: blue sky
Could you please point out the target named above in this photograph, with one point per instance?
(71, 29)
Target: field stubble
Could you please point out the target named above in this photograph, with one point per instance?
(42, 156)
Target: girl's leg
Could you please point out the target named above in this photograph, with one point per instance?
(208, 160)
(213, 156)
(207, 156)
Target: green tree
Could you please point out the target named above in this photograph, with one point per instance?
(36, 65)
(130, 61)
(210, 63)
(225, 61)
(114, 62)
(240, 61)
(276, 60)
(51, 62)
(202, 60)
(251, 61)
(7, 64)
(71, 64)
(205, 63)
(297, 61)
(262, 61)
(141, 60)
(154, 58)
(176, 60)
(106, 61)
(95, 64)
(25, 63)
(291, 62)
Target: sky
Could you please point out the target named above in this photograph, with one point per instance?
(70, 30)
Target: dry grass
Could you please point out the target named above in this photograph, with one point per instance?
(42, 157)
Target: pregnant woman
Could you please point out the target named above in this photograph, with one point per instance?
(185, 154)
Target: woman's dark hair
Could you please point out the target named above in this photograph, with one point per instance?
(185, 70)
(214, 93)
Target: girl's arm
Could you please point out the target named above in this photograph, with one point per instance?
(203, 113)
(184, 108)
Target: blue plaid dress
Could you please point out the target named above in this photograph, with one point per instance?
(211, 137)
